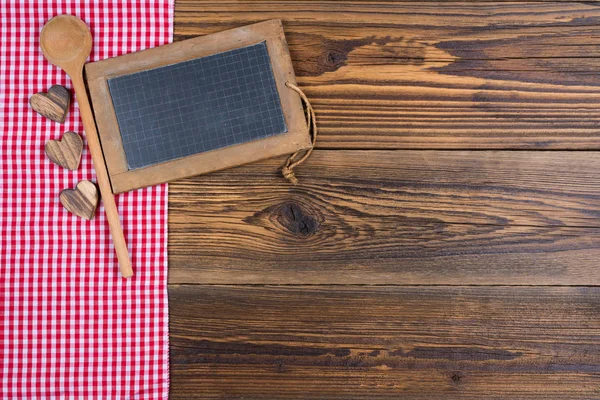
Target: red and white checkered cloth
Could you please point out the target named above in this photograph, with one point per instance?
(70, 327)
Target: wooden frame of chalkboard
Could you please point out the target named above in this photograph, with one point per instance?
(124, 179)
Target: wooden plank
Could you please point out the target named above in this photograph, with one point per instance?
(377, 217)
(384, 342)
(416, 75)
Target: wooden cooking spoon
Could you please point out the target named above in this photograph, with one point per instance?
(66, 42)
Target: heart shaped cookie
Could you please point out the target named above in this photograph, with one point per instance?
(65, 152)
(81, 201)
(53, 105)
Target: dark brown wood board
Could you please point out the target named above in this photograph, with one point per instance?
(476, 74)
(363, 250)
(422, 342)
(404, 217)
(197, 106)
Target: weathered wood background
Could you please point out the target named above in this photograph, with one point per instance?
(444, 240)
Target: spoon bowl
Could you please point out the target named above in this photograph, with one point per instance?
(66, 42)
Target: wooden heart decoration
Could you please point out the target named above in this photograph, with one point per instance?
(81, 201)
(65, 152)
(53, 105)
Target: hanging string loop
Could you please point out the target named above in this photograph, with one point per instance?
(311, 121)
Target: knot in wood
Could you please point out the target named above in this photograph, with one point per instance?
(456, 378)
(297, 221)
(335, 58)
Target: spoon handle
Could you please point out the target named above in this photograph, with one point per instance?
(112, 214)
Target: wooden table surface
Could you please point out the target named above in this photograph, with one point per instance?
(444, 240)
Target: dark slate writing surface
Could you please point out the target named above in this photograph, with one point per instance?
(196, 106)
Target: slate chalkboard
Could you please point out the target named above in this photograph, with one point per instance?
(196, 106)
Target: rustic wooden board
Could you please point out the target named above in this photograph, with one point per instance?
(403, 75)
(420, 75)
(384, 342)
(404, 217)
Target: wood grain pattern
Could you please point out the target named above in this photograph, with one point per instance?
(418, 75)
(65, 152)
(403, 75)
(405, 217)
(81, 201)
(53, 105)
(384, 342)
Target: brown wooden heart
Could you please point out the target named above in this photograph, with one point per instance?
(53, 105)
(81, 201)
(65, 152)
